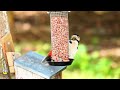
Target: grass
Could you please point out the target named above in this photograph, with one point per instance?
(76, 74)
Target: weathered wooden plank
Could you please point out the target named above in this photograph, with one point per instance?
(7, 40)
(12, 70)
(11, 23)
(4, 26)
(11, 56)
(5, 37)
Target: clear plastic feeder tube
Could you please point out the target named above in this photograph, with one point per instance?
(59, 36)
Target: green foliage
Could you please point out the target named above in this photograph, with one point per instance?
(37, 46)
(92, 64)
(43, 49)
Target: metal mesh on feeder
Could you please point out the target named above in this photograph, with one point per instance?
(59, 37)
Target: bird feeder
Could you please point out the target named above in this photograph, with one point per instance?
(29, 66)
(59, 38)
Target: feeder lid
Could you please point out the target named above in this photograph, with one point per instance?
(57, 11)
(31, 61)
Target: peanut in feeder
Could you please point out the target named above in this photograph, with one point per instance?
(59, 38)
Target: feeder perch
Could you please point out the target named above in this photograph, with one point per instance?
(59, 38)
(29, 66)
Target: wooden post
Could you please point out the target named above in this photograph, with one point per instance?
(11, 23)
(58, 76)
(5, 37)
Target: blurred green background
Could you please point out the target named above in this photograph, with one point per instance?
(99, 50)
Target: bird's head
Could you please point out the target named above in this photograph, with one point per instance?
(75, 37)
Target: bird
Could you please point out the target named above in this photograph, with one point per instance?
(73, 48)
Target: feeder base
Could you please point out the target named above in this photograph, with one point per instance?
(60, 63)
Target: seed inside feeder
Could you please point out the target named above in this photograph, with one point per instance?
(59, 36)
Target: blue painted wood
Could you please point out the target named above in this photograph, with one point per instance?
(31, 61)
